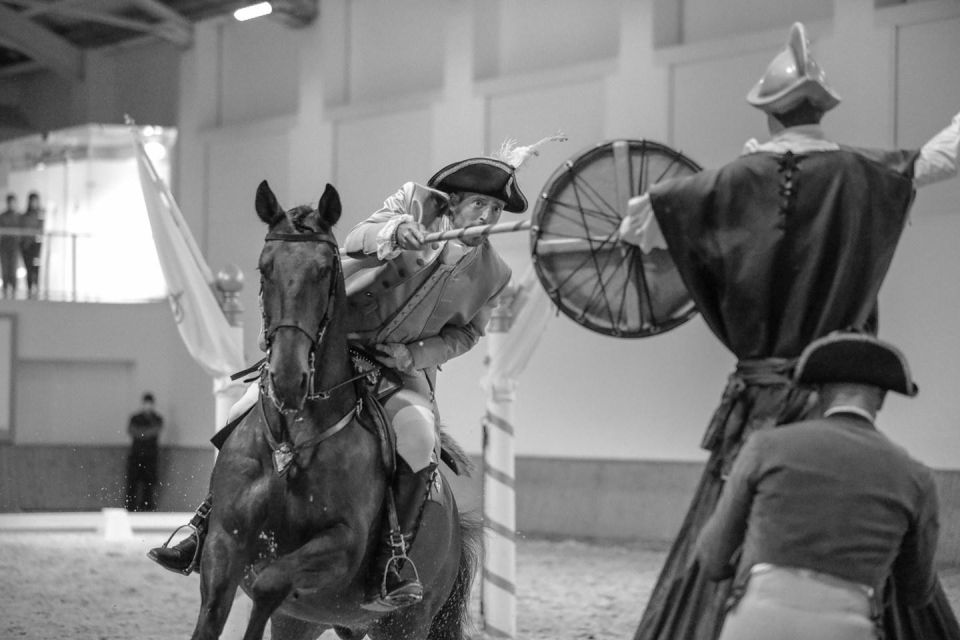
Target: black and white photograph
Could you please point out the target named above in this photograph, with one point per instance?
(480, 319)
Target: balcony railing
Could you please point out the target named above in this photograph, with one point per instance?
(84, 267)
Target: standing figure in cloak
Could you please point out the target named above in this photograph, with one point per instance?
(783, 245)
(815, 515)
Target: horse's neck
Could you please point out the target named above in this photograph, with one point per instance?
(332, 365)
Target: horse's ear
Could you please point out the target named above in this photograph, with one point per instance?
(329, 206)
(268, 209)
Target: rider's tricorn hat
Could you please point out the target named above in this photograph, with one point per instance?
(495, 176)
(793, 76)
(856, 358)
(486, 176)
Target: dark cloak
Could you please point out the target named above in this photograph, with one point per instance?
(776, 251)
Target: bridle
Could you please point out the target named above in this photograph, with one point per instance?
(284, 452)
(316, 339)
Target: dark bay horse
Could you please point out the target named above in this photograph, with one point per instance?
(299, 487)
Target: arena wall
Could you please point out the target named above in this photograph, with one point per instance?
(623, 501)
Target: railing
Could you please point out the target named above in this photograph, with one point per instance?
(84, 267)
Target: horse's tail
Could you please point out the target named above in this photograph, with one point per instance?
(453, 621)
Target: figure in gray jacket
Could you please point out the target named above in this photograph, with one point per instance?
(816, 515)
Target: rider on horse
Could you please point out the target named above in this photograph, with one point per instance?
(413, 306)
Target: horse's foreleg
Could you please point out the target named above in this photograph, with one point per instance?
(322, 561)
(323, 556)
(219, 578)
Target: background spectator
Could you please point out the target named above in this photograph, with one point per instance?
(9, 248)
(144, 429)
(31, 220)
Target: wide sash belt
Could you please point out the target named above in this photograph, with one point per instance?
(759, 372)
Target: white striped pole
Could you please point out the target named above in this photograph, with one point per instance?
(498, 598)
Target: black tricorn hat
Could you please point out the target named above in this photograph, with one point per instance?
(857, 358)
(486, 176)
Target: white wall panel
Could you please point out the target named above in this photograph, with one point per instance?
(920, 297)
(80, 370)
(74, 418)
(546, 34)
(395, 48)
(712, 20)
(375, 156)
(258, 71)
(918, 304)
(144, 78)
(928, 95)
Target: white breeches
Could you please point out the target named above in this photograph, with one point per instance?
(783, 605)
(415, 427)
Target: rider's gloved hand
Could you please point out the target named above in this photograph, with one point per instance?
(396, 356)
(409, 235)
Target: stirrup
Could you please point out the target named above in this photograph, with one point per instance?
(195, 561)
(198, 520)
(409, 594)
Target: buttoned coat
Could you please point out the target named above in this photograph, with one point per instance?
(436, 300)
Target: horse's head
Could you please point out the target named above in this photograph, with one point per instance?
(300, 279)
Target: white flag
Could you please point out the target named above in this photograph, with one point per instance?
(213, 343)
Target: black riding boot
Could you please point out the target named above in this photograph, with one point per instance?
(184, 557)
(396, 581)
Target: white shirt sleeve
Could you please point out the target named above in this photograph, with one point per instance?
(639, 227)
(939, 156)
(387, 248)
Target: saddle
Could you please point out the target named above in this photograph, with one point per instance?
(376, 383)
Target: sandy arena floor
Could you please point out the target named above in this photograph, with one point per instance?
(77, 587)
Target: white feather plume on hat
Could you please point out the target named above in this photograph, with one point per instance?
(515, 155)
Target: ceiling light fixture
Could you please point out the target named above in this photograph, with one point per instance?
(253, 11)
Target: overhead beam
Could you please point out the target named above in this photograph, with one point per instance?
(170, 25)
(42, 45)
(176, 28)
(33, 8)
(295, 13)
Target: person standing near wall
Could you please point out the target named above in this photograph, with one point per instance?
(779, 247)
(9, 248)
(32, 220)
(822, 511)
(144, 429)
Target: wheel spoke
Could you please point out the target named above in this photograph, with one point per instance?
(603, 217)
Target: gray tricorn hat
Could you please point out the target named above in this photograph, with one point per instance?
(857, 358)
(793, 75)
